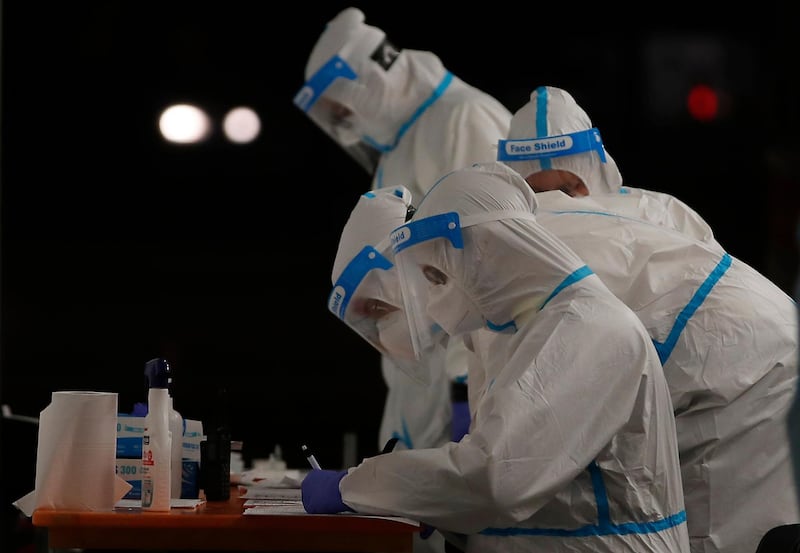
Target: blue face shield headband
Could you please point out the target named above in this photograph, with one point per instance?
(425, 334)
(548, 147)
(445, 225)
(312, 90)
(368, 278)
(335, 118)
(365, 261)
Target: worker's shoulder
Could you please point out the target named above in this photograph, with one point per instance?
(462, 109)
(461, 96)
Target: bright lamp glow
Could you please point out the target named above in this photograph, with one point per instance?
(184, 123)
(241, 125)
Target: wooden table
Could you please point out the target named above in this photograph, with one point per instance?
(221, 526)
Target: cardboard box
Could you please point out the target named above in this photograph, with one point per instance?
(130, 431)
(130, 470)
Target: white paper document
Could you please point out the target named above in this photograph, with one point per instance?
(174, 503)
(289, 507)
(294, 506)
(289, 478)
(265, 492)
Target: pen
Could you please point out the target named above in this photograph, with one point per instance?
(389, 447)
(311, 459)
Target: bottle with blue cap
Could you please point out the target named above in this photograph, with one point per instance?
(156, 442)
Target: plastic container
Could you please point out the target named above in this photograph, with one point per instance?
(176, 451)
(156, 442)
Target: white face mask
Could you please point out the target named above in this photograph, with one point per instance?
(453, 310)
(395, 336)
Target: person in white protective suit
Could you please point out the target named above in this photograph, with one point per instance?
(366, 297)
(572, 445)
(544, 124)
(727, 337)
(366, 291)
(406, 120)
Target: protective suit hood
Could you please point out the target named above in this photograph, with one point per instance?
(366, 294)
(346, 35)
(553, 112)
(375, 215)
(389, 84)
(363, 272)
(494, 203)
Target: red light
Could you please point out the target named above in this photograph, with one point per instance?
(703, 103)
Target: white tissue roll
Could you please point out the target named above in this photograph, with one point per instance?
(76, 452)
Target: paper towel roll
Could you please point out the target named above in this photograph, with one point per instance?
(76, 454)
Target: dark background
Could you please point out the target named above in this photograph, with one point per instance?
(118, 247)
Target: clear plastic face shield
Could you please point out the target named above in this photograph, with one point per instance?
(317, 99)
(366, 297)
(415, 245)
(545, 149)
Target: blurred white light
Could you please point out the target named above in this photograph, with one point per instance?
(184, 123)
(241, 125)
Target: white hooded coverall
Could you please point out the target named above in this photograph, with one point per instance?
(572, 445)
(727, 336)
(423, 122)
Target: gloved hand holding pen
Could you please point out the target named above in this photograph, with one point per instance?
(320, 492)
(320, 488)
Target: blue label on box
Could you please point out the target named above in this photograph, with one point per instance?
(136, 491)
(130, 430)
(129, 448)
(190, 484)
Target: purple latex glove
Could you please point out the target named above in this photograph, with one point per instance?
(459, 425)
(426, 531)
(320, 491)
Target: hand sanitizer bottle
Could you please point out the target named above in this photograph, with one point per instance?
(156, 442)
